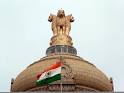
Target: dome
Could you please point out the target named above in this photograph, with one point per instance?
(78, 75)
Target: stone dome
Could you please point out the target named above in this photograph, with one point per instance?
(78, 75)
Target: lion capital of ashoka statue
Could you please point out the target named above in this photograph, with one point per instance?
(61, 24)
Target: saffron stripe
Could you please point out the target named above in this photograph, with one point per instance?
(54, 66)
(53, 73)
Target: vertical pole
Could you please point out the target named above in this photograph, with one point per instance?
(61, 85)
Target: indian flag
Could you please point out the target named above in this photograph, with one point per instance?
(50, 74)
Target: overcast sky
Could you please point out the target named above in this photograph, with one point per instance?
(97, 33)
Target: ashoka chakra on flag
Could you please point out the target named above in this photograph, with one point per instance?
(50, 74)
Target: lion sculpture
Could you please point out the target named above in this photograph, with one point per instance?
(61, 24)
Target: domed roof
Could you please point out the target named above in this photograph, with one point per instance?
(78, 74)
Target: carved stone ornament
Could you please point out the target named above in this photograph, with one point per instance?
(67, 73)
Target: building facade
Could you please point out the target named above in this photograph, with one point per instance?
(77, 74)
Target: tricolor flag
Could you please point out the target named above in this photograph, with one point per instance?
(50, 74)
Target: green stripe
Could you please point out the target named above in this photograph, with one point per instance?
(49, 80)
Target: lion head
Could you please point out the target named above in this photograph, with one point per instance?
(61, 13)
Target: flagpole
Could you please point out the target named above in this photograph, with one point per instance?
(61, 86)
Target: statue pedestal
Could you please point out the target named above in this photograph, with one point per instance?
(61, 40)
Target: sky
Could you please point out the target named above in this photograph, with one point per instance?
(97, 33)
